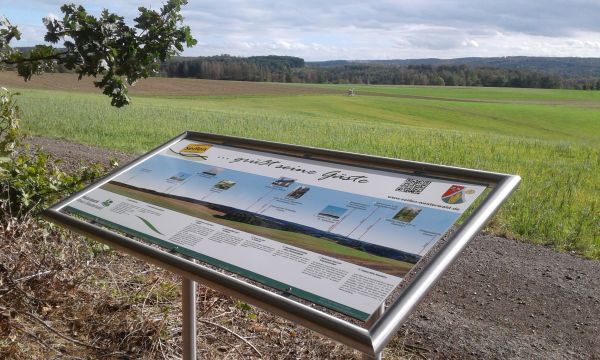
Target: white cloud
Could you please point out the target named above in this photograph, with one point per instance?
(351, 29)
(470, 42)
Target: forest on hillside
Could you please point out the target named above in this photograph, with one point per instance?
(295, 70)
(570, 67)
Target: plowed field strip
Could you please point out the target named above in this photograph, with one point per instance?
(165, 86)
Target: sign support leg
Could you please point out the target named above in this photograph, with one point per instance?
(370, 322)
(188, 302)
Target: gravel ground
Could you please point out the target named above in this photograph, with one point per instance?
(501, 299)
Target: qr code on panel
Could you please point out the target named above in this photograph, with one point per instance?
(413, 186)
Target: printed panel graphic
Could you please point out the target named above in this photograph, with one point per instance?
(340, 236)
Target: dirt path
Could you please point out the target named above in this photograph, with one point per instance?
(501, 299)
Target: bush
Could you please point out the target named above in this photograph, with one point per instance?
(30, 180)
(9, 124)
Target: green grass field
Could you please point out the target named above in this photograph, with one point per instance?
(479, 93)
(551, 138)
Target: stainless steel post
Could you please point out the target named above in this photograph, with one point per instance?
(188, 302)
(376, 315)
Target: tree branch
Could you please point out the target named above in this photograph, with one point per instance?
(56, 56)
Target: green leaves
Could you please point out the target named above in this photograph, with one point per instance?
(104, 47)
(7, 32)
(9, 124)
(44, 61)
(30, 180)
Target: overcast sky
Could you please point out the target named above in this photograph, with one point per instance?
(327, 30)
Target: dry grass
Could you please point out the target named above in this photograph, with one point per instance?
(163, 87)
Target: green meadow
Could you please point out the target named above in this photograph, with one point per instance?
(489, 94)
(551, 138)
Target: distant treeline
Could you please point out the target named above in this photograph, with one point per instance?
(443, 75)
(292, 69)
(567, 67)
(224, 67)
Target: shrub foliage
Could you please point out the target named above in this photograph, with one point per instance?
(30, 180)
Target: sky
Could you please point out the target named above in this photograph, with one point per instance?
(361, 30)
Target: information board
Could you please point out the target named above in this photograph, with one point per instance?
(336, 235)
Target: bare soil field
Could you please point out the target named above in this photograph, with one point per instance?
(159, 87)
(501, 299)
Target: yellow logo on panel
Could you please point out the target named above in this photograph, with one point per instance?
(195, 148)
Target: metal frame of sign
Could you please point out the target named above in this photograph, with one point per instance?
(379, 330)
